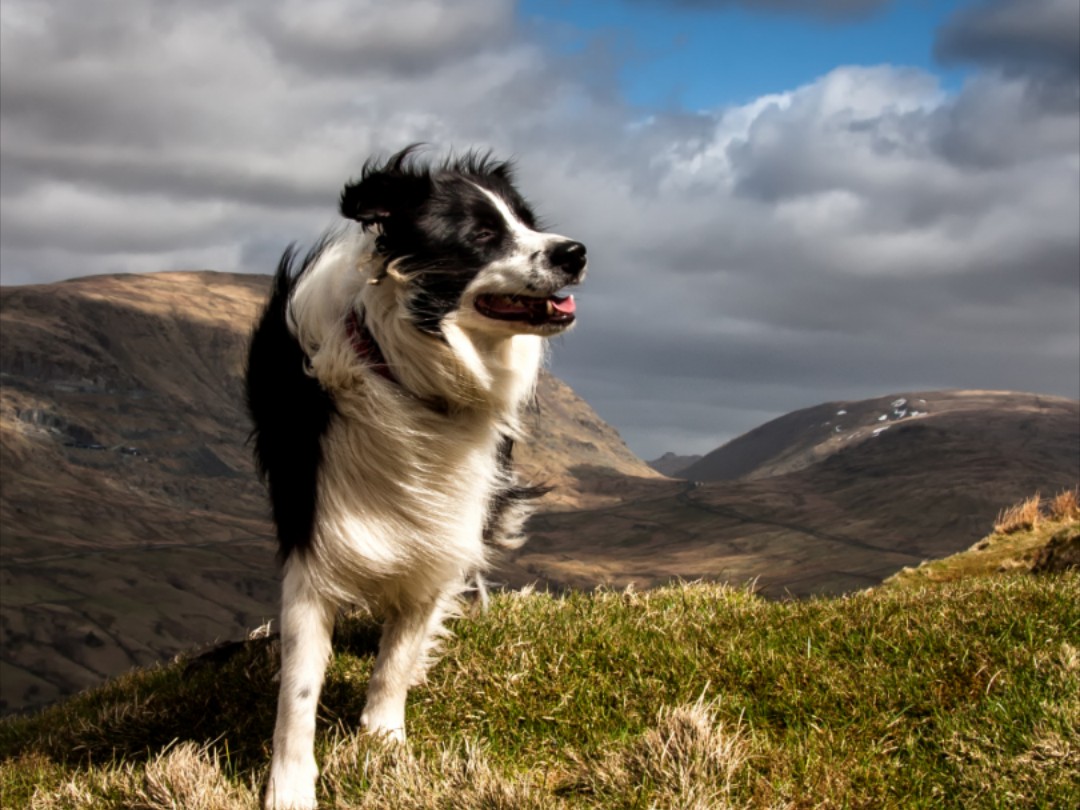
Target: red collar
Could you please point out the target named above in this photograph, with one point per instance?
(367, 348)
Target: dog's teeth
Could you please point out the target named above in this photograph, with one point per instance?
(550, 307)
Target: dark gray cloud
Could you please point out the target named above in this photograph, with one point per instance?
(863, 234)
(997, 123)
(1033, 36)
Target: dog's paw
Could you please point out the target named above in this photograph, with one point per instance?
(290, 792)
(389, 726)
(285, 799)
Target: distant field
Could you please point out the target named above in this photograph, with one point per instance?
(97, 614)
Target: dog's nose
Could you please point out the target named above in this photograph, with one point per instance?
(568, 256)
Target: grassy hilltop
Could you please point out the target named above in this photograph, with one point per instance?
(962, 693)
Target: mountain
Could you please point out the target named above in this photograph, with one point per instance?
(806, 437)
(671, 464)
(821, 511)
(133, 523)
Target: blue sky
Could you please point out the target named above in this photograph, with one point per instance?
(673, 57)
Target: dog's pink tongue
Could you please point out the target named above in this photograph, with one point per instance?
(564, 305)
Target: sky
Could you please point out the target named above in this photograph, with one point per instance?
(785, 202)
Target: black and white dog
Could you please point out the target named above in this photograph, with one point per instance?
(386, 380)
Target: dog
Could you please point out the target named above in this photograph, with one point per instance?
(386, 380)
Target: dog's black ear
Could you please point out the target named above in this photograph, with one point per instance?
(383, 196)
(394, 189)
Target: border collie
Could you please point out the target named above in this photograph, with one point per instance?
(386, 379)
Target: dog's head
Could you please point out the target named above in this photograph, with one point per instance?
(466, 244)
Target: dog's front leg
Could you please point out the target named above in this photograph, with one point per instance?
(307, 622)
(406, 639)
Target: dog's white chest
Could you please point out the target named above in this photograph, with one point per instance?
(398, 505)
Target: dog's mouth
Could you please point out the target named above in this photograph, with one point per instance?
(554, 310)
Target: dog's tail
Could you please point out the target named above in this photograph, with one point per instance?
(289, 410)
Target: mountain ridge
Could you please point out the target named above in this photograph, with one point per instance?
(806, 436)
(671, 464)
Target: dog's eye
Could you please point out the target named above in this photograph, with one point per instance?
(482, 236)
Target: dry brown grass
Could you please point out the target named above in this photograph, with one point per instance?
(1020, 517)
(688, 761)
(185, 777)
(1065, 506)
(360, 773)
(1026, 515)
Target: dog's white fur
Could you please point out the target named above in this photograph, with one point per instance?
(403, 489)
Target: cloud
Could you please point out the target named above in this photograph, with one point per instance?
(865, 233)
(1035, 36)
(376, 37)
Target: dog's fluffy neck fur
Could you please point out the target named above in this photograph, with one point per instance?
(466, 372)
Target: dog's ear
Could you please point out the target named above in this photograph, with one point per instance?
(395, 189)
(383, 196)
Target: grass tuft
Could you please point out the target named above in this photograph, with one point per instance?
(365, 774)
(185, 777)
(1023, 516)
(1028, 514)
(1065, 506)
(689, 760)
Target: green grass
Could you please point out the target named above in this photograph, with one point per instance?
(962, 695)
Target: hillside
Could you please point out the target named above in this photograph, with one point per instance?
(922, 489)
(803, 438)
(139, 364)
(133, 523)
(963, 695)
(1037, 535)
